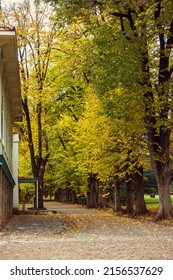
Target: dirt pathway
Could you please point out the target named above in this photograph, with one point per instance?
(76, 232)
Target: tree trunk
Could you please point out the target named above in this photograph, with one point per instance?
(129, 197)
(39, 173)
(68, 193)
(102, 201)
(140, 205)
(29, 133)
(91, 193)
(74, 197)
(50, 193)
(163, 179)
(60, 195)
(161, 164)
(117, 199)
(37, 162)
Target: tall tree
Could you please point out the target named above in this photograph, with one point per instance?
(36, 30)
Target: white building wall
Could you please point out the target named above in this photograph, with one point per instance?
(15, 170)
(6, 124)
(10, 112)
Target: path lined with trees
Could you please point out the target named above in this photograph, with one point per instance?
(97, 98)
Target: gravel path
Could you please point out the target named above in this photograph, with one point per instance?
(77, 233)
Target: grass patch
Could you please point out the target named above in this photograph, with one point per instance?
(152, 206)
(149, 199)
(154, 199)
(152, 203)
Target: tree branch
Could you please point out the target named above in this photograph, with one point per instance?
(62, 142)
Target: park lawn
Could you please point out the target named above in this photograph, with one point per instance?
(152, 203)
(153, 199)
(149, 199)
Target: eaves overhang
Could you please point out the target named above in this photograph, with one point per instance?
(10, 65)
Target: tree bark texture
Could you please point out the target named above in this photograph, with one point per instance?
(161, 164)
(102, 201)
(140, 205)
(129, 197)
(91, 193)
(117, 198)
(74, 197)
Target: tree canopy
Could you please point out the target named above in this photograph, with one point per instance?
(137, 56)
(97, 96)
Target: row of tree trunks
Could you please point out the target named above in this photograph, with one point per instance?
(135, 190)
(134, 194)
(67, 195)
(96, 194)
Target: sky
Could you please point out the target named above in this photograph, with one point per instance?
(9, 1)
